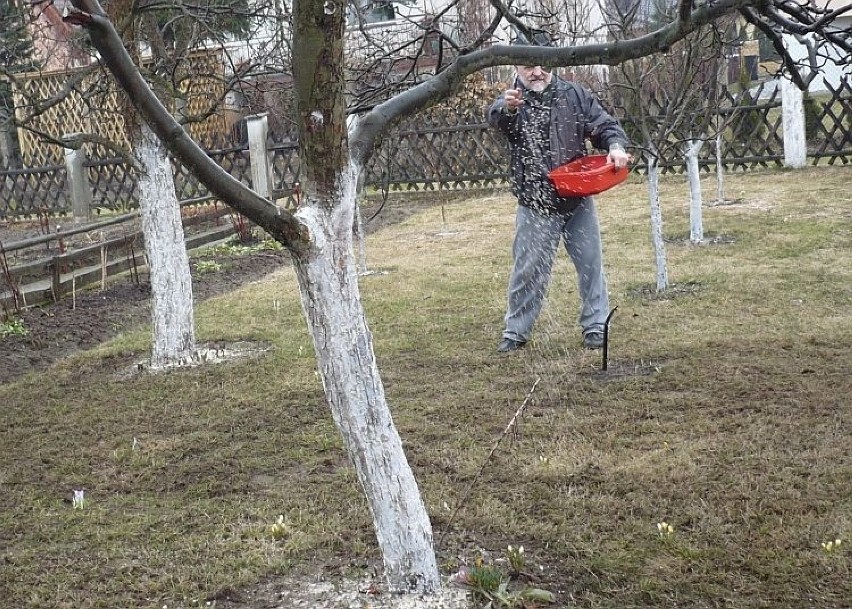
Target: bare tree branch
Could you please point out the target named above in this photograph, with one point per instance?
(278, 222)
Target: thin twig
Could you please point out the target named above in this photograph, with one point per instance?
(11, 281)
(509, 427)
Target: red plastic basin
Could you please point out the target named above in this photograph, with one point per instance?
(586, 176)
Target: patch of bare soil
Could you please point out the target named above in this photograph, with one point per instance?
(58, 330)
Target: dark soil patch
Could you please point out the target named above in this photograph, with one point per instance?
(675, 290)
(709, 239)
(61, 329)
(624, 369)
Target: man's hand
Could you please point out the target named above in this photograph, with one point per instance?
(619, 157)
(514, 100)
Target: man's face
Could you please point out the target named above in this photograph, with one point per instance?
(534, 78)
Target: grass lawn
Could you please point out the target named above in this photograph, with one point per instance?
(725, 413)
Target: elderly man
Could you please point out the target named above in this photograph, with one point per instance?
(547, 121)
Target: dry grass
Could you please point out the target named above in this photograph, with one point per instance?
(725, 412)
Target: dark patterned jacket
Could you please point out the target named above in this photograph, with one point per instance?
(548, 130)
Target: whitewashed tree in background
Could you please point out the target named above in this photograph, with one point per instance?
(652, 160)
(172, 311)
(670, 98)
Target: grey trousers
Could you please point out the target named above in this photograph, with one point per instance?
(537, 238)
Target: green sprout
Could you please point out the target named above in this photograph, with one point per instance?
(490, 586)
(207, 266)
(13, 327)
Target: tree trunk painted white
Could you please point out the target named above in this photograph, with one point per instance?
(328, 279)
(720, 170)
(172, 313)
(793, 121)
(657, 222)
(696, 220)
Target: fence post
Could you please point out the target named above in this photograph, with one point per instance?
(793, 121)
(257, 126)
(78, 182)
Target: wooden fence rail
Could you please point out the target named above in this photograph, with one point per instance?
(37, 278)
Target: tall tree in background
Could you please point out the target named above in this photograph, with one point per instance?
(16, 56)
(319, 234)
(669, 98)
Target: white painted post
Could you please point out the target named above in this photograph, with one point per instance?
(257, 126)
(78, 182)
(793, 121)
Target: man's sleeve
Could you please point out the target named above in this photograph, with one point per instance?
(499, 117)
(602, 128)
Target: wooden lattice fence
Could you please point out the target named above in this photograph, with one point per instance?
(84, 101)
(753, 137)
(830, 135)
(750, 124)
(450, 146)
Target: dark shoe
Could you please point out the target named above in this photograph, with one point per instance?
(509, 344)
(593, 340)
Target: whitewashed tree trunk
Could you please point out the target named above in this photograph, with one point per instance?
(720, 170)
(657, 221)
(172, 313)
(696, 221)
(328, 278)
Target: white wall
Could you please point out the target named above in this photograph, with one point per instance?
(832, 71)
